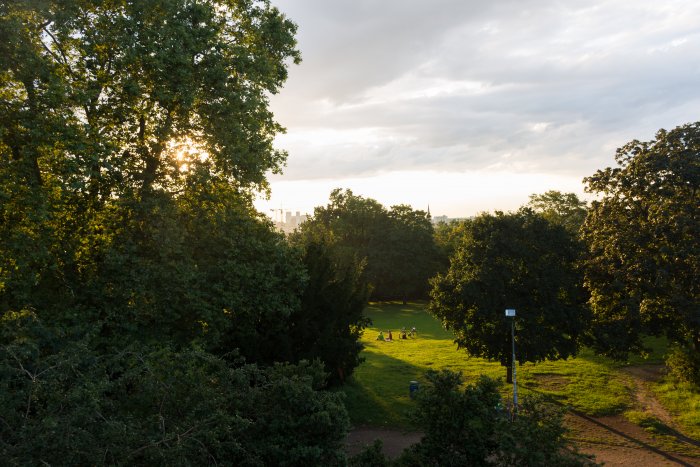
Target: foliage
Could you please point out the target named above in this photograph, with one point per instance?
(412, 256)
(397, 244)
(330, 320)
(517, 260)
(64, 403)
(131, 139)
(448, 236)
(564, 209)
(133, 136)
(460, 427)
(469, 427)
(537, 437)
(100, 95)
(684, 365)
(371, 456)
(643, 263)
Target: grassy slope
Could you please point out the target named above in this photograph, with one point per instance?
(378, 394)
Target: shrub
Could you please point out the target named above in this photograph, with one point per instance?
(370, 456)
(63, 403)
(684, 365)
(467, 426)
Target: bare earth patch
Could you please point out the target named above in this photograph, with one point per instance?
(613, 440)
(617, 442)
(395, 441)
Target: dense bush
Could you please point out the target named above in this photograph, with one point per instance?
(467, 426)
(62, 403)
(683, 365)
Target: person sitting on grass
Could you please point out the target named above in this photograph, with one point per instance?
(380, 337)
(389, 338)
(403, 332)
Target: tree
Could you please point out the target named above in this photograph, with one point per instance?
(103, 96)
(564, 209)
(644, 250)
(132, 136)
(517, 260)
(411, 256)
(329, 322)
(101, 102)
(397, 244)
(448, 236)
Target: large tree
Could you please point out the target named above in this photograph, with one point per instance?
(397, 244)
(132, 136)
(64, 403)
(517, 260)
(109, 97)
(643, 269)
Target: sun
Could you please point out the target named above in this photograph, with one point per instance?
(186, 151)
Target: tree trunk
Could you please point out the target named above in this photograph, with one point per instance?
(509, 374)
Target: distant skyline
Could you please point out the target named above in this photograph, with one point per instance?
(471, 106)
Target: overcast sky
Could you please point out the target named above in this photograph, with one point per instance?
(471, 106)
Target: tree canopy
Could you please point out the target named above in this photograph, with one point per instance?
(106, 98)
(565, 209)
(643, 269)
(329, 321)
(132, 137)
(397, 244)
(516, 260)
(468, 425)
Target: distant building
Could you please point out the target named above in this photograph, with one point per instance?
(291, 221)
(447, 220)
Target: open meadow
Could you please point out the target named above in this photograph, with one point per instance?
(595, 388)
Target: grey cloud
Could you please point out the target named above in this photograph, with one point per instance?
(565, 82)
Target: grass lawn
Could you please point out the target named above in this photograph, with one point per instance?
(378, 394)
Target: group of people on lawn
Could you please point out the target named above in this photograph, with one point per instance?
(403, 335)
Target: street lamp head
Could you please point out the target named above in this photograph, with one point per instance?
(510, 313)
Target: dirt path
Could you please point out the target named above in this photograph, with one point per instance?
(618, 442)
(394, 441)
(613, 440)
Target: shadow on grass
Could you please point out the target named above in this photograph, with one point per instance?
(378, 394)
(680, 437)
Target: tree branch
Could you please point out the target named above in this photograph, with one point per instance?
(60, 49)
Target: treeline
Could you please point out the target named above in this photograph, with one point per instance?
(396, 246)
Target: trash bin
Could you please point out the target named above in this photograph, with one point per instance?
(413, 388)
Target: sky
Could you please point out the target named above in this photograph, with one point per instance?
(466, 106)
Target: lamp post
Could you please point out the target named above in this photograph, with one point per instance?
(510, 313)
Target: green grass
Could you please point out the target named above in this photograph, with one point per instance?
(683, 401)
(378, 394)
